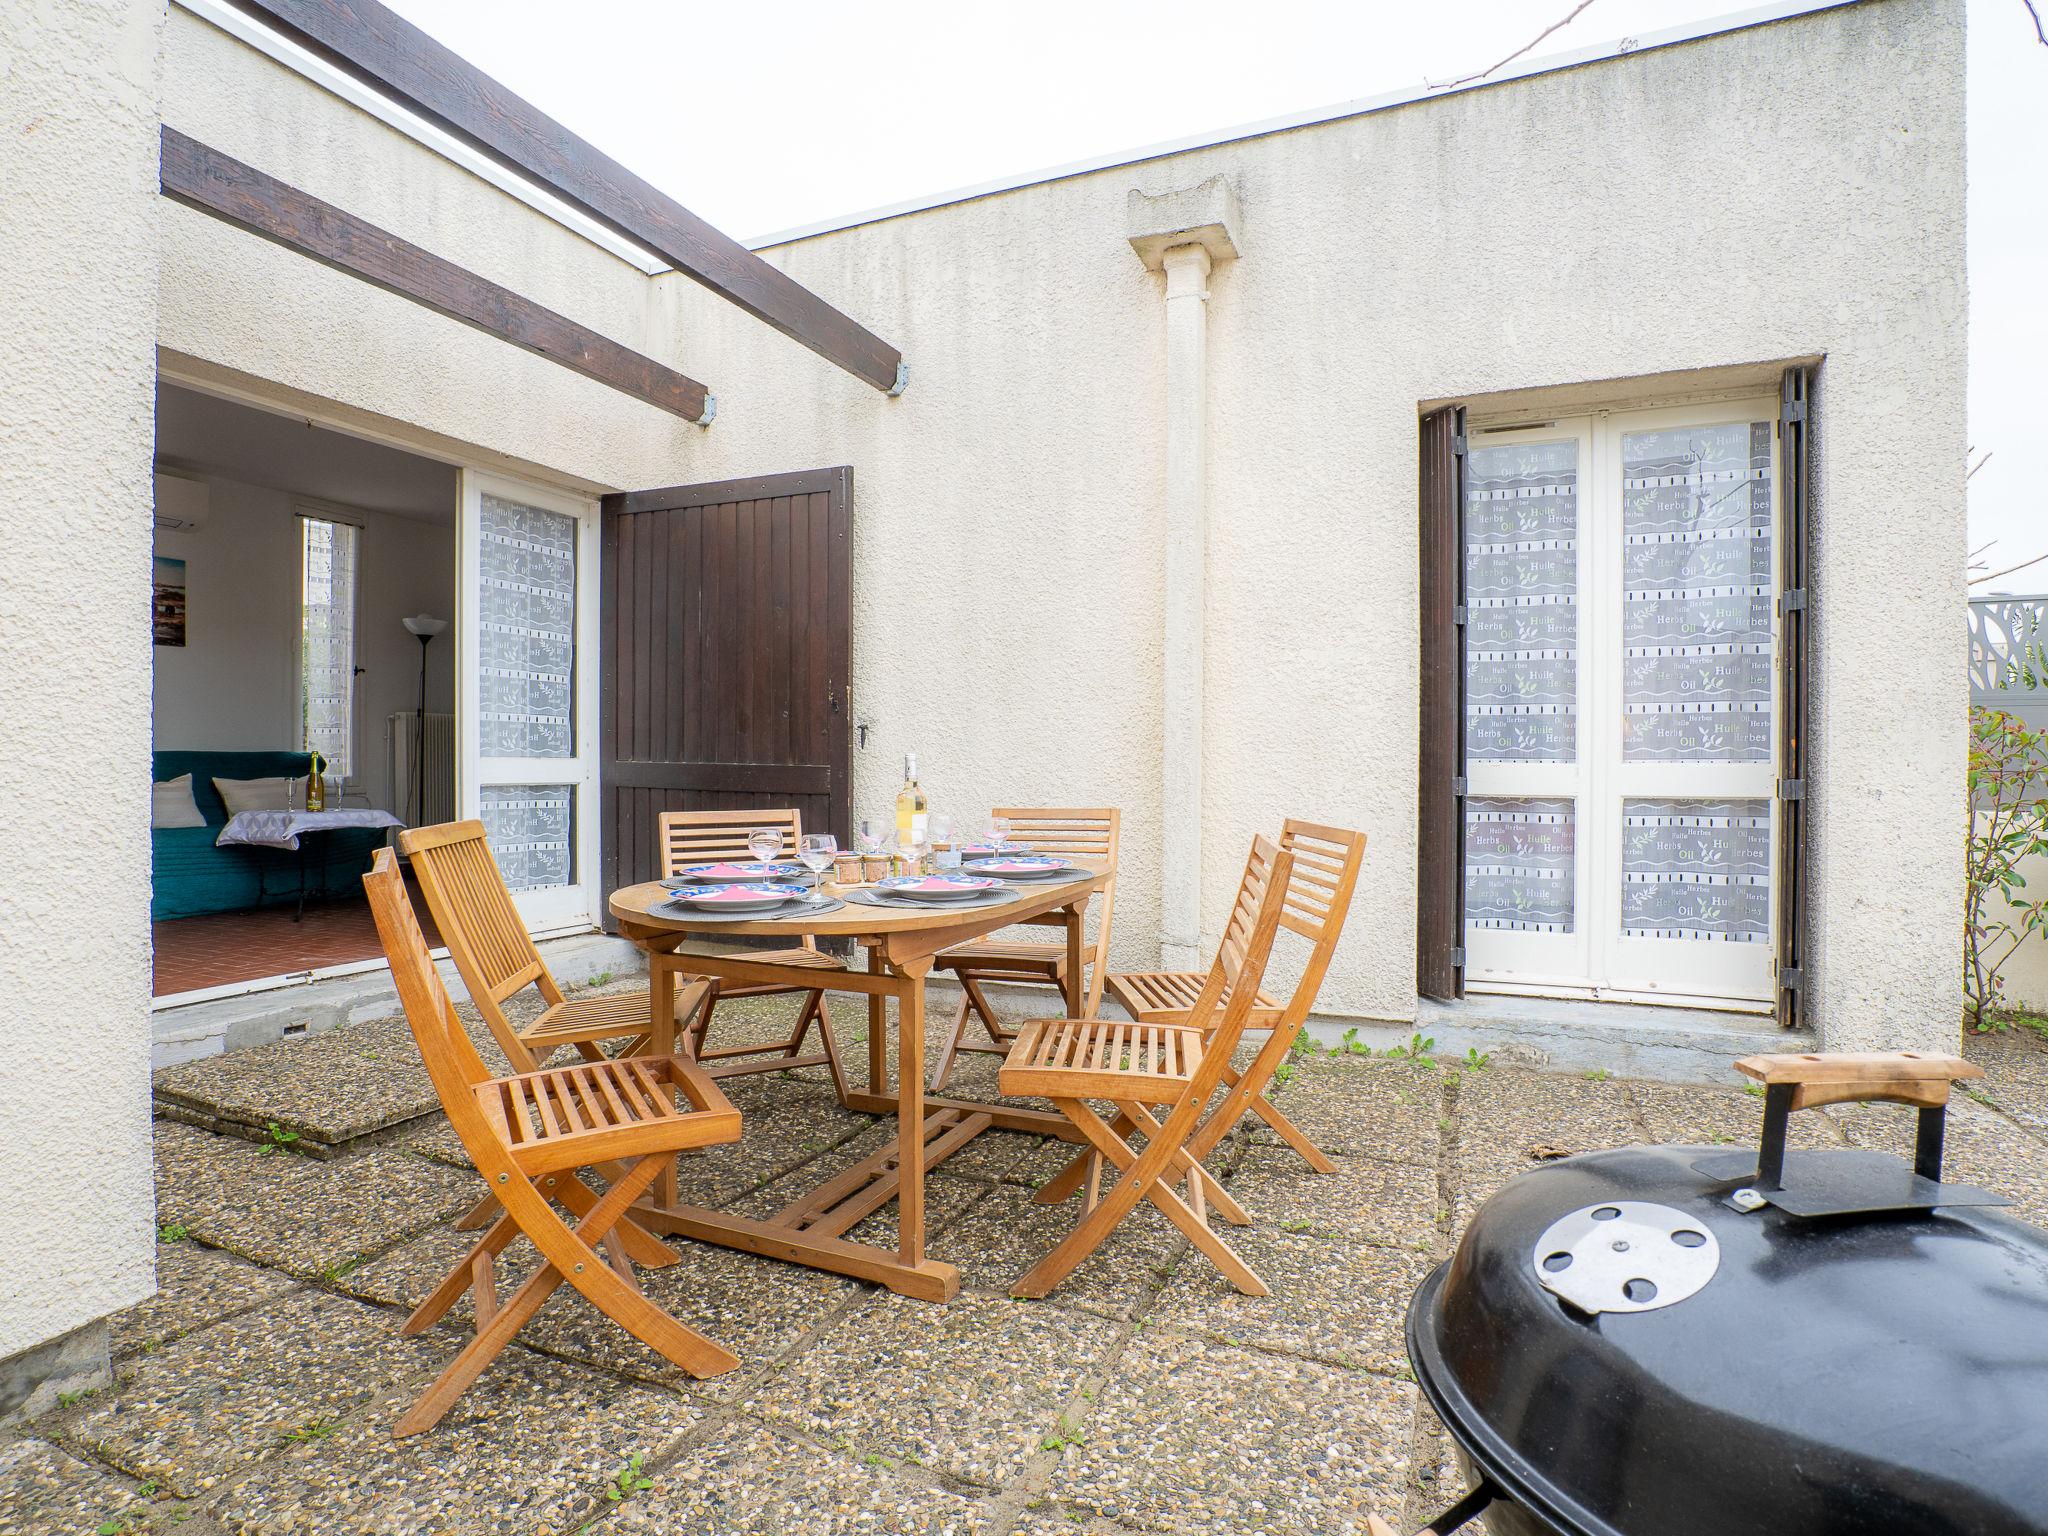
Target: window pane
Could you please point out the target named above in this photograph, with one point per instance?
(532, 833)
(1521, 599)
(1696, 594)
(1520, 864)
(526, 611)
(327, 641)
(1696, 869)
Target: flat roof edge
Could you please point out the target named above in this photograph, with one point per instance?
(1738, 21)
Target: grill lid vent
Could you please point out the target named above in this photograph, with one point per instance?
(1625, 1256)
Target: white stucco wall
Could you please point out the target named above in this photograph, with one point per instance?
(236, 305)
(78, 151)
(1776, 193)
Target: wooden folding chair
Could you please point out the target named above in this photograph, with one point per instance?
(708, 837)
(1086, 834)
(1326, 865)
(528, 1134)
(1137, 1066)
(498, 960)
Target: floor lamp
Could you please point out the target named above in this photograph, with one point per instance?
(423, 627)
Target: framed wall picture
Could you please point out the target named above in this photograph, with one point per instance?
(168, 620)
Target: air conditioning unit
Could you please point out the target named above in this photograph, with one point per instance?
(181, 502)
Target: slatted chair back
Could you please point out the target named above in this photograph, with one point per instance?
(451, 1059)
(1326, 865)
(1091, 832)
(711, 837)
(1241, 948)
(473, 908)
(1116, 1049)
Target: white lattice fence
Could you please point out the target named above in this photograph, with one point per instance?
(2009, 638)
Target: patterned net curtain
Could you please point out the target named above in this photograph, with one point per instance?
(327, 641)
(526, 610)
(1521, 678)
(1697, 594)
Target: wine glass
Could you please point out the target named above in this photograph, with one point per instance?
(818, 850)
(939, 834)
(998, 833)
(764, 843)
(868, 837)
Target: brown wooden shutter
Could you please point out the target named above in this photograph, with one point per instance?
(1795, 495)
(727, 619)
(1440, 798)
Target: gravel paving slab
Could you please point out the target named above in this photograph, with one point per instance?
(944, 1199)
(208, 1406)
(757, 1308)
(2015, 1055)
(747, 1480)
(320, 1086)
(46, 1491)
(1511, 1121)
(1002, 1237)
(313, 1218)
(1332, 1299)
(783, 1123)
(1722, 1117)
(1366, 1198)
(195, 1286)
(1010, 1157)
(1047, 1517)
(436, 1141)
(968, 1389)
(2024, 1101)
(407, 1275)
(1347, 1104)
(528, 1449)
(1193, 1436)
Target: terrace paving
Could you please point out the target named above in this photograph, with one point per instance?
(255, 1394)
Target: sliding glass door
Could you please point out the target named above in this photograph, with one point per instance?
(526, 712)
(1621, 579)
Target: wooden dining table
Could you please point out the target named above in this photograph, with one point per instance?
(899, 944)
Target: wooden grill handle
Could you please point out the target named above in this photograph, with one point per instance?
(1919, 1078)
(1807, 1081)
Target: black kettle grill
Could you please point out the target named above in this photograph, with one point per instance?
(1684, 1341)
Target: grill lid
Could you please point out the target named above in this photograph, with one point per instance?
(1849, 1374)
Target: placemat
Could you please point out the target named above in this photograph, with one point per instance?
(675, 911)
(869, 898)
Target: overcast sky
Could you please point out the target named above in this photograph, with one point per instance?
(760, 117)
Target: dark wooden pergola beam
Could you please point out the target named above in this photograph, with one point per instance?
(390, 55)
(241, 195)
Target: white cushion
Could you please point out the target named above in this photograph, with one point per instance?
(171, 803)
(279, 794)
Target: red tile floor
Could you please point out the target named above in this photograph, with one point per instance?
(226, 947)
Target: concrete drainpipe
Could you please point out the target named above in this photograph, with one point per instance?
(1184, 234)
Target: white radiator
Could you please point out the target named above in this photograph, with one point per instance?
(401, 731)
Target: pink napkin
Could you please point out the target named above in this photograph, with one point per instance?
(727, 872)
(724, 893)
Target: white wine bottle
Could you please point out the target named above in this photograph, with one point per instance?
(911, 808)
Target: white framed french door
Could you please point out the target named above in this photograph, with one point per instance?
(1622, 573)
(526, 690)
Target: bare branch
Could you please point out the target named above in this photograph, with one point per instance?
(1978, 465)
(2029, 4)
(1445, 85)
(1978, 581)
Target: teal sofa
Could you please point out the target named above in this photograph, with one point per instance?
(189, 876)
